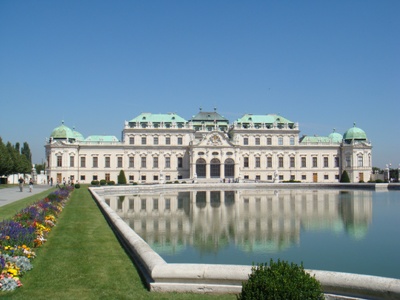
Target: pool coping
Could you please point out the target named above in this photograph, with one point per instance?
(161, 276)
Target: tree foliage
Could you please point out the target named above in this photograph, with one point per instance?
(121, 177)
(345, 177)
(13, 161)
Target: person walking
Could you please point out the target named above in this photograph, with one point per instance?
(30, 185)
(21, 184)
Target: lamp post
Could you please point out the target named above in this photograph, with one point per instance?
(388, 172)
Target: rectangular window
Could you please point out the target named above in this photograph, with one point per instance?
(280, 161)
(292, 164)
(304, 162)
(245, 141)
(336, 160)
(326, 177)
(83, 178)
(303, 177)
(71, 161)
(348, 161)
(107, 162)
(144, 140)
(131, 162)
(258, 163)
(95, 162)
(269, 177)
(155, 140)
(59, 161)
(269, 141)
(83, 162)
(168, 162)
(167, 177)
(245, 162)
(131, 178)
(107, 177)
(180, 162)
(131, 140)
(257, 141)
(119, 162)
(95, 177)
(280, 141)
(155, 162)
(292, 178)
(326, 162)
(360, 162)
(143, 162)
(168, 140)
(258, 177)
(314, 162)
(291, 141)
(180, 141)
(269, 162)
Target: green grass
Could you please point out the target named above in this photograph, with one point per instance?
(83, 259)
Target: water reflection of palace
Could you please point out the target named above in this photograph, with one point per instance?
(253, 220)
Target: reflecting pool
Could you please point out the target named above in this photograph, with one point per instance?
(353, 231)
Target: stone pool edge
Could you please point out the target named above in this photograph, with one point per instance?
(213, 278)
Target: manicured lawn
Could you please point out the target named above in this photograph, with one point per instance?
(82, 259)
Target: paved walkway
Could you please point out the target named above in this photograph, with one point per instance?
(12, 194)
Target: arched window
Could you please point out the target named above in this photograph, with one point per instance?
(229, 168)
(215, 168)
(201, 168)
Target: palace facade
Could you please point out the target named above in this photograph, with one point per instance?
(160, 148)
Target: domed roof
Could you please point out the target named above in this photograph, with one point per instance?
(62, 132)
(355, 133)
(78, 136)
(335, 136)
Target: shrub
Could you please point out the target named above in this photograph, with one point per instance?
(95, 182)
(134, 183)
(111, 182)
(345, 177)
(121, 177)
(103, 182)
(176, 181)
(77, 185)
(280, 280)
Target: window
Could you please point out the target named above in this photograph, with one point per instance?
(280, 162)
(155, 140)
(107, 162)
(131, 140)
(131, 162)
(143, 162)
(292, 177)
(245, 141)
(326, 177)
(258, 177)
(71, 161)
(59, 161)
(360, 162)
(144, 140)
(83, 178)
(83, 162)
(269, 141)
(131, 178)
(180, 141)
(155, 162)
(180, 162)
(155, 177)
(280, 141)
(304, 162)
(291, 141)
(168, 140)
(269, 162)
(303, 177)
(119, 162)
(336, 162)
(107, 177)
(168, 162)
(167, 177)
(95, 177)
(348, 161)
(257, 141)
(246, 162)
(292, 164)
(95, 162)
(269, 177)
(314, 162)
(326, 162)
(258, 163)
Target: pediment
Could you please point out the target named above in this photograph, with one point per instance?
(215, 139)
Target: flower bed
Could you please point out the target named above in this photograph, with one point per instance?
(26, 231)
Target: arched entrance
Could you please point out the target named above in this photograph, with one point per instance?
(201, 168)
(215, 168)
(229, 168)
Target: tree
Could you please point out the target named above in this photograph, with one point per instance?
(345, 177)
(27, 152)
(121, 177)
(5, 160)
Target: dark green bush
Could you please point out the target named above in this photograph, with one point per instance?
(280, 280)
(121, 177)
(103, 182)
(111, 182)
(95, 182)
(345, 177)
(176, 181)
(134, 183)
(77, 185)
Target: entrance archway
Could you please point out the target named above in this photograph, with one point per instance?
(229, 168)
(201, 168)
(215, 168)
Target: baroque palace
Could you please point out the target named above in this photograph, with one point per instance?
(159, 148)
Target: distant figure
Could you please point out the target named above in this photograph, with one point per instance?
(58, 184)
(30, 185)
(51, 181)
(64, 182)
(21, 184)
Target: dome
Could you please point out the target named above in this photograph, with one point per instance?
(336, 137)
(355, 133)
(77, 135)
(62, 132)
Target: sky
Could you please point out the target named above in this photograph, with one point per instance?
(96, 64)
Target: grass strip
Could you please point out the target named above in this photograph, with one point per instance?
(83, 259)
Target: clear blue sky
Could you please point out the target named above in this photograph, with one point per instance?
(95, 64)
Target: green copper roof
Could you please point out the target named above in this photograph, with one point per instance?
(62, 132)
(158, 118)
(355, 133)
(266, 119)
(336, 137)
(77, 135)
(101, 138)
(205, 116)
(315, 139)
